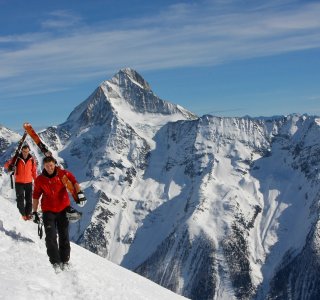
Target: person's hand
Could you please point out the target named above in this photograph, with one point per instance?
(82, 200)
(35, 217)
(11, 168)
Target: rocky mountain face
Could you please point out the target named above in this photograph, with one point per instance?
(209, 207)
(8, 138)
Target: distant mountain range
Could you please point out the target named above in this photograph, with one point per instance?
(209, 207)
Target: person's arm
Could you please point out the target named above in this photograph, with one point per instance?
(74, 181)
(7, 164)
(82, 200)
(36, 195)
(34, 169)
(77, 187)
(35, 215)
(35, 204)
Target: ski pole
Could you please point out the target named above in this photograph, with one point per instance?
(11, 178)
(40, 228)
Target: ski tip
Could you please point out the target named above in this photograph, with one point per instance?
(26, 124)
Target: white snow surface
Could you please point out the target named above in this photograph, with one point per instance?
(8, 134)
(204, 175)
(163, 197)
(26, 273)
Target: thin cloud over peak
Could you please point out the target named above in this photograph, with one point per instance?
(61, 19)
(181, 35)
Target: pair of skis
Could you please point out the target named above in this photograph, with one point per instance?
(44, 149)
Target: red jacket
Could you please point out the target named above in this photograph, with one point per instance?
(25, 170)
(54, 194)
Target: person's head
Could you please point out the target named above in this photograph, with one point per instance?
(25, 150)
(49, 164)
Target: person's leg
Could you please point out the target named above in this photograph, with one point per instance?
(49, 222)
(28, 198)
(20, 197)
(63, 232)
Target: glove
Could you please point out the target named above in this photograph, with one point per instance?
(82, 200)
(35, 217)
(11, 168)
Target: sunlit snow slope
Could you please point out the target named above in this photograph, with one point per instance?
(26, 273)
(209, 207)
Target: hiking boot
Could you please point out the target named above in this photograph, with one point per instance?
(65, 266)
(28, 217)
(57, 268)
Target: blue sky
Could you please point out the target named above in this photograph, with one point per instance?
(223, 57)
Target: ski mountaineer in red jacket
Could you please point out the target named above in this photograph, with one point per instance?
(25, 171)
(55, 205)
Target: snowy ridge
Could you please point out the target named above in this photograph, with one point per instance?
(7, 137)
(210, 207)
(26, 271)
(129, 86)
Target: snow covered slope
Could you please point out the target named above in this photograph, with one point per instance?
(7, 137)
(27, 274)
(209, 207)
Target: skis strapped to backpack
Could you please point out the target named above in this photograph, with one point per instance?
(14, 159)
(44, 149)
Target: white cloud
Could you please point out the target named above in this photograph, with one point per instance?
(182, 35)
(314, 98)
(61, 19)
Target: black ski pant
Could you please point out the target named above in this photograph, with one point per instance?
(58, 247)
(24, 198)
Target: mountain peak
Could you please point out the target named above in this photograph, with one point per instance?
(126, 95)
(128, 74)
(128, 87)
